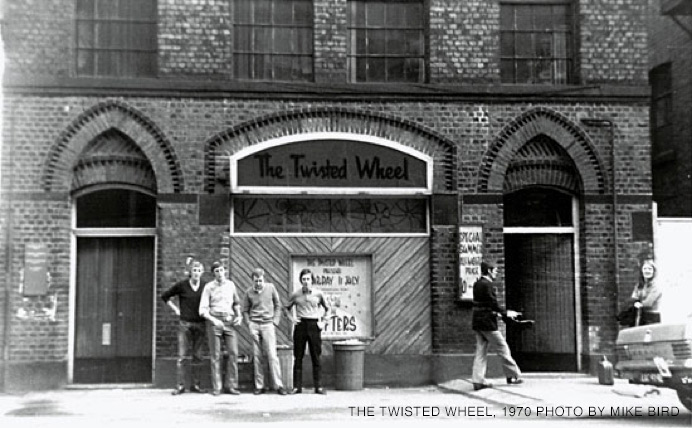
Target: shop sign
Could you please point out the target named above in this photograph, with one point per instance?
(332, 163)
(470, 258)
(346, 281)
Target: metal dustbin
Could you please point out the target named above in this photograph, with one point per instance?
(349, 357)
(285, 354)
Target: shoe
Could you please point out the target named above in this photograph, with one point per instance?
(297, 391)
(320, 391)
(196, 389)
(232, 391)
(514, 381)
(281, 391)
(259, 391)
(216, 393)
(178, 390)
(479, 386)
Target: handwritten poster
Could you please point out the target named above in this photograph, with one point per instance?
(346, 281)
(470, 258)
(35, 269)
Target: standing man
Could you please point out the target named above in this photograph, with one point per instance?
(262, 313)
(311, 308)
(190, 326)
(484, 324)
(220, 306)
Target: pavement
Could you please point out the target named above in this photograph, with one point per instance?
(543, 397)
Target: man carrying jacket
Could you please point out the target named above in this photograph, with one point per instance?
(484, 324)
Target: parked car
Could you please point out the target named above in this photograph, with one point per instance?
(658, 354)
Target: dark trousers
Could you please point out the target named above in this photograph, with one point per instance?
(307, 332)
(190, 340)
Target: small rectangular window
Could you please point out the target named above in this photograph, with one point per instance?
(387, 41)
(536, 43)
(273, 40)
(116, 38)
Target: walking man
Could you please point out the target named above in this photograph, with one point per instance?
(220, 306)
(262, 313)
(190, 326)
(311, 311)
(484, 324)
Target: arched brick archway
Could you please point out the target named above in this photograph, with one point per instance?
(534, 123)
(106, 117)
(265, 128)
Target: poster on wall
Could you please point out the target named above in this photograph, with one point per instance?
(470, 258)
(346, 281)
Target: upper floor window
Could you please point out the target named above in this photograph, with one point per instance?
(116, 38)
(537, 42)
(387, 41)
(273, 39)
(661, 97)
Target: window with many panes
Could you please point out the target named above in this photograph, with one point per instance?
(116, 38)
(661, 100)
(273, 39)
(387, 41)
(537, 42)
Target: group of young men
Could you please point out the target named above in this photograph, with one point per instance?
(215, 309)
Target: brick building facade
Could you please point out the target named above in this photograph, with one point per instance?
(568, 144)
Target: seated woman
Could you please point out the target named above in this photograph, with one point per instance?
(647, 294)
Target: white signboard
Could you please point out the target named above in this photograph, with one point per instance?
(346, 281)
(470, 258)
(673, 244)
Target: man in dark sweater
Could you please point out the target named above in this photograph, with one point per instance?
(191, 327)
(484, 324)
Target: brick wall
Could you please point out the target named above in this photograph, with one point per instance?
(330, 40)
(464, 41)
(613, 41)
(195, 38)
(189, 123)
(38, 37)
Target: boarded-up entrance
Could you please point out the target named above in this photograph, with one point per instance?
(113, 336)
(540, 283)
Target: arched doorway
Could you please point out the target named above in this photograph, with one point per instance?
(114, 237)
(539, 238)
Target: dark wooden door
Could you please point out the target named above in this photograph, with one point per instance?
(540, 283)
(114, 311)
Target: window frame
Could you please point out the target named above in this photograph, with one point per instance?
(94, 47)
(570, 58)
(352, 55)
(271, 51)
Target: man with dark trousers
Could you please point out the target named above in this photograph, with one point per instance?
(484, 324)
(311, 314)
(191, 329)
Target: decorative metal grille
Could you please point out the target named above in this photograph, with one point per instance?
(289, 215)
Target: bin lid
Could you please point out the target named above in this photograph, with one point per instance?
(349, 342)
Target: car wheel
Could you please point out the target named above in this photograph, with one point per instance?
(685, 395)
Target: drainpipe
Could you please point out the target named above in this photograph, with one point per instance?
(8, 253)
(611, 137)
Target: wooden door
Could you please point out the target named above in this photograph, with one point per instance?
(114, 310)
(539, 282)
